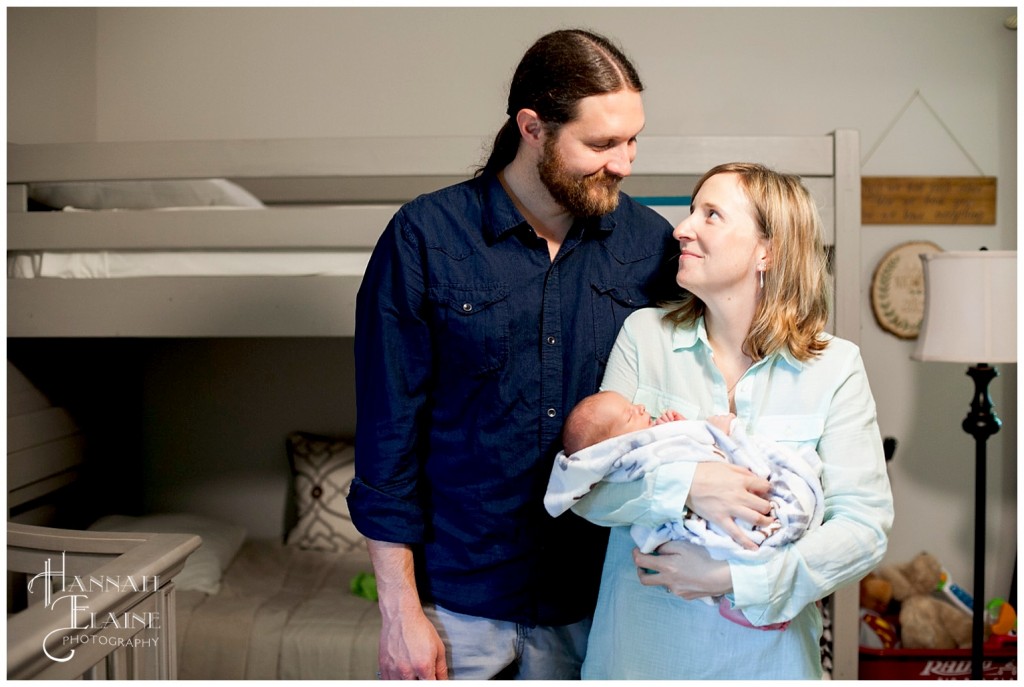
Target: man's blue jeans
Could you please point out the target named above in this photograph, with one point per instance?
(481, 648)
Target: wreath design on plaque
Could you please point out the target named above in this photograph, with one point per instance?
(897, 289)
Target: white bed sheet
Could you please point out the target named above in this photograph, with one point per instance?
(123, 264)
(169, 196)
(282, 613)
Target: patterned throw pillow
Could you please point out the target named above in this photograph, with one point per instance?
(323, 468)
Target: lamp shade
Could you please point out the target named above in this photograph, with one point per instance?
(970, 307)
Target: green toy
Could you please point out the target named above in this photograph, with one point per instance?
(364, 585)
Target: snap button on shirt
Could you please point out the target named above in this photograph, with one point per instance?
(453, 440)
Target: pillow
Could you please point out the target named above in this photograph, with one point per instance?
(142, 195)
(206, 565)
(323, 468)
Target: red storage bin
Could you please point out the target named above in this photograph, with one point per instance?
(937, 664)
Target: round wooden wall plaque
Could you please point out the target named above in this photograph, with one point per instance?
(897, 289)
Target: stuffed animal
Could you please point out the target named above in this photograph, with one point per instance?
(876, 628)
(875, 593)
(927, 621)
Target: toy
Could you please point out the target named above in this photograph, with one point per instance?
(1004, 621)
(927, 620)
(875, 593)
(955, 593)
(877, 631)
(364, 585)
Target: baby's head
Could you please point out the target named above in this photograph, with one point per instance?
(601, 416)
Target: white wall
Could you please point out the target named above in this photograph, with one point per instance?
(51, 75)
(248, 73)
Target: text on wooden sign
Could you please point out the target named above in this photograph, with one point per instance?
(928, 200)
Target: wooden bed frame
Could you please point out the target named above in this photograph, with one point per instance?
(99, 605)
(363, 180)
(339, 194)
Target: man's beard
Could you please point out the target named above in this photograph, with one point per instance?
(592, 195)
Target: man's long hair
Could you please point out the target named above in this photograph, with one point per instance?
(558, 71)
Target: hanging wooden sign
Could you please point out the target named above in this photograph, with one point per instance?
(928, 200)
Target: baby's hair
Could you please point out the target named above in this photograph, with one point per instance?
(583, 427)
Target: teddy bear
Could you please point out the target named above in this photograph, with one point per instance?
(927, 621)
(875, 593)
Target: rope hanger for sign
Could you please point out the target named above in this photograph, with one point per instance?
(927, 199)
(918, 96)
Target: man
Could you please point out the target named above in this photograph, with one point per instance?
(487, 312)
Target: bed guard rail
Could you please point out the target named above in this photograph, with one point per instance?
(97, 605)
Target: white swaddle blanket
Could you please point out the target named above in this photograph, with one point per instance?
(794, 474)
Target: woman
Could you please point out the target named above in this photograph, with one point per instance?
(747, 338)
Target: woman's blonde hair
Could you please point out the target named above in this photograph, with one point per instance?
(794, 306)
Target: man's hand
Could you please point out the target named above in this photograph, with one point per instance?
(410, 647)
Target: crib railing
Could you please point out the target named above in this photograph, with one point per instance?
(95, 605)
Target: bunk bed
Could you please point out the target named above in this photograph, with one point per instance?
(96, 605)
(179, 595)
(327, 200)
(330, 196)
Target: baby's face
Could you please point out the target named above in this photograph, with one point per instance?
(625, 416)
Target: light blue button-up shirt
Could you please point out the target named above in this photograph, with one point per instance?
(826, 403)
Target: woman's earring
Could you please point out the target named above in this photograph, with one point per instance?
(760, 270)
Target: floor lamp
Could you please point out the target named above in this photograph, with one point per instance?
(970, 315)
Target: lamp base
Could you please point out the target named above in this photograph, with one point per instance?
(981, 423)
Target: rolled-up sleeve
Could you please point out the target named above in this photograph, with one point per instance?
(858, 507)
(392, 354)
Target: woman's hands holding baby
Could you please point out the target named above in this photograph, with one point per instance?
(722, 493)
(684, 569)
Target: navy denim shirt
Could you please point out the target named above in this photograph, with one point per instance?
(471, 347)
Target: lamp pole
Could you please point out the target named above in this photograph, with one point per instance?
(981, 422)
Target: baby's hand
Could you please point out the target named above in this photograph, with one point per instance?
(722, 422)
(669, 416)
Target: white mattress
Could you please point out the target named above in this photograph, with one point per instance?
(108, 264)
(169, 196)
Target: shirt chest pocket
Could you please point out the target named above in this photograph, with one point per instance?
(472, 332)
(657, 402)
(611, 305)
(795, 430)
